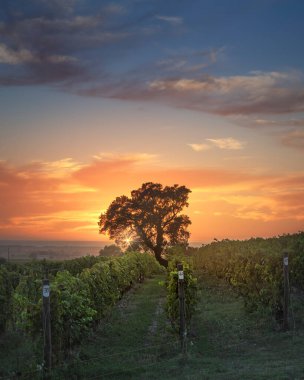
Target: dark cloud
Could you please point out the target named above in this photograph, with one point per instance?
(61, 41)
(38, 42)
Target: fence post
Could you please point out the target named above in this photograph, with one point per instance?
(47, 344)
(286, 292)
(182, 309)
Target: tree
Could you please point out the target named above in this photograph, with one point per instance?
(151, 218)
(110, 250)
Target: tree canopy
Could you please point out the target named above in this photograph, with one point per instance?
(151, 218)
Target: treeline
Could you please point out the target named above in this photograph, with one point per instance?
(255, 268)
(82, 292)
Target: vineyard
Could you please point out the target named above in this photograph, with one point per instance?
(83, 292)
(254, 269)
(119, 318)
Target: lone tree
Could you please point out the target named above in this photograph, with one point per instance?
(150, 218)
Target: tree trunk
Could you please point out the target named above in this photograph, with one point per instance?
(159, 258)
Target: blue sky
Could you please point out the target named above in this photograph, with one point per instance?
(203, 86)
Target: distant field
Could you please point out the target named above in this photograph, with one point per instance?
(56, 250)
(52, 250)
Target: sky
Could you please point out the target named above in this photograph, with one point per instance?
(99, 97)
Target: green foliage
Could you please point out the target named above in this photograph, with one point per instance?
(6, 289)
(190, 289)
(71, 313)
(254, 268)
(76, 266)
(297, 261)
(26, 304)
(115, 277)
(78, 298)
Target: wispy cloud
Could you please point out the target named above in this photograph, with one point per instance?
(173, 20)
(124, 156)
(189, 61)
(254, 122)
(279, 123)
(199, 147)
(228, 143)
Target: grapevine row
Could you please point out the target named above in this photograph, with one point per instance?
(254, 268)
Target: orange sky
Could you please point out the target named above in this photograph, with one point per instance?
(62, 199)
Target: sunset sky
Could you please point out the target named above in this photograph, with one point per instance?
(98, 97)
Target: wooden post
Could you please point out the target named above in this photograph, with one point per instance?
(286, 292)
(182, 309)
(47, 347)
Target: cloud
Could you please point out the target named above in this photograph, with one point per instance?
(228, 143)
(280, 123)
(253, 122)
(41, 43)
(131, 157)
(256, 83)
(173, 20)
(199, 147)
(11, 57)
(47, 42)
(55, 169)
(259, 92)
(188, 61)
(74, 43)
(238, 97)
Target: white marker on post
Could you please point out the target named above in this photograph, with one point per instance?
(46, 291)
